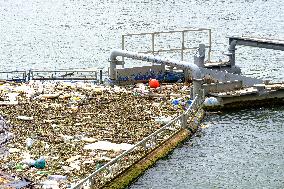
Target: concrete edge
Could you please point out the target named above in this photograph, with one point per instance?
(273, 102)
(134, 171)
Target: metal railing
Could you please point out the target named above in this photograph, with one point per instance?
(182, 34)
(71, 74)
(75, 74)
(13, 75)
(121, 162)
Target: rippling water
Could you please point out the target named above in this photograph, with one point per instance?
(241, 149)
(57, 34)
(238, 149)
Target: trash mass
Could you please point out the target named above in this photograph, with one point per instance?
(51, 132)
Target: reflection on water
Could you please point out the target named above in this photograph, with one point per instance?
(241, 149)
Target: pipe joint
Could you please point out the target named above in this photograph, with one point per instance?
(196, 73)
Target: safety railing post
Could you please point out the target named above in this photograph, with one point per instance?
(210, 43)
(184, 120)
(153, 43)
(122, 45)
(182, 44)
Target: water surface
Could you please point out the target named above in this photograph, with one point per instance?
(241, 149)
(238, 149)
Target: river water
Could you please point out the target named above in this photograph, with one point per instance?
(238, 149)
(241, 149)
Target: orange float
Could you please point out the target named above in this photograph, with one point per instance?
(153, 83)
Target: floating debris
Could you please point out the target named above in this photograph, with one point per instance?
(163, 119)
(14, 150)
(61, 128)
(106, 145)
(8, 181)
(25, 118)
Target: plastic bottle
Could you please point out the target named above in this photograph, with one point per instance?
(29, 142)
(175, 102)
(40, 163)
(57, 177)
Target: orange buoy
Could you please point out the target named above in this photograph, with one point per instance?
(153, 83)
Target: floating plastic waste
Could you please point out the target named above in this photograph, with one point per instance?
(12, 97)
(17, 184)
(29, 142)
(175, 102)
(25, 118)
(50, 184)
(49, 96)
(163, 119)
(14, 150)
(106, 145)
(57, 177)
(73, 158)
(40, 163)
(211, 101)
(28, 161)
(112, 115)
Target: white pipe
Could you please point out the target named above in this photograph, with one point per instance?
(196, 73)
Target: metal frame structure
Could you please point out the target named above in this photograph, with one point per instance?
(14, 75)
(183, 47)
(72, 74)
(110, 170)
(63, 75)
(252, 42)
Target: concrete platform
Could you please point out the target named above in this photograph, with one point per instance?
(258, 95)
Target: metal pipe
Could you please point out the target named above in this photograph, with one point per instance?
(232, 49)
(196, 73)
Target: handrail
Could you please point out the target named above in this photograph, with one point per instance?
(182, 48)
(68, 74)
(175, 31)
(142, 142)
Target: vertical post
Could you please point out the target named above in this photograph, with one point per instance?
(200, 57)
(153, 43)
(184, 120)
(101, 76)
(182, 44)
(196, 87)
(112, 70)
(232, 49)
(122, 46)
(29, 75)
(210, 44)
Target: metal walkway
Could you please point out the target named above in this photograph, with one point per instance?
(274, 44)
(259, 42)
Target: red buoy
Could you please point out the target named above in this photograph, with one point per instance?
(153, 83)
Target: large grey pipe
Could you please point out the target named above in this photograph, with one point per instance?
(196, 73)
(232, 51)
